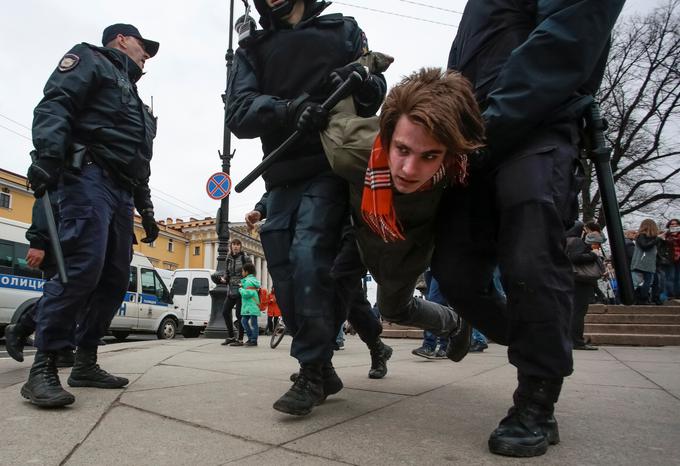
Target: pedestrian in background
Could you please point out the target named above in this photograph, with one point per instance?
(250, 303)
(644, 259)
(93, 139)
(236, 260)
(273, 311)
(672, 237)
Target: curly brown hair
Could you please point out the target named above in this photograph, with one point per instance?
(443, 103)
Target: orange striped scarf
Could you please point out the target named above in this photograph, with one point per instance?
(377, 201)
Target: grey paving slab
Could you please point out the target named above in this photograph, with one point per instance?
(244, 407)
(163, 376)
(136, 360)
(598, 424)
(612, 373)
(670, 354)
(127, 436)
(283, 457)
(664, 374)
(31, 435)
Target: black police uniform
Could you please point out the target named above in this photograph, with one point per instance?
(307, 203)
(91, 100)
(534, 66)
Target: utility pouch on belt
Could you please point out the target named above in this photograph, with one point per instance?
(76, 157)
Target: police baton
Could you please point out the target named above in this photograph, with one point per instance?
(600, 154)
(340, 93)
(54, 237)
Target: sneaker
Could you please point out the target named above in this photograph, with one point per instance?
(250, 343)
(338, 347)
(380, 353)
(236, 343)
(424, 352)
(228, 341)
(477, 347)
(440, 354)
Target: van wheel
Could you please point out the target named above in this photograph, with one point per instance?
(167, 329)
(120, 336)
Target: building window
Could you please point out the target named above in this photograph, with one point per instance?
(5, 200)
(197, 250)
(171, 245)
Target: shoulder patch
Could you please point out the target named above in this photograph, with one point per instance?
(68, 62)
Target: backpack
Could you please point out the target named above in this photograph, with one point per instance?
(264, 298)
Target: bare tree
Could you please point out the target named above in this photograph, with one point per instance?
(640, 96)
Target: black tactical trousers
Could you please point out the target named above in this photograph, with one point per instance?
(347, 272)
(515, 217)
(301, 238)
(233, 301)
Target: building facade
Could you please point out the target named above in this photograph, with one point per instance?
(180, 244)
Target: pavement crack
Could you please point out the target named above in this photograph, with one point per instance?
(661, 387)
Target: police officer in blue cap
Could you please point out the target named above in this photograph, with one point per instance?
(93, 144)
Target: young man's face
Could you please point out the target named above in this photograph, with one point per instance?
(235, 248)
(414, 157)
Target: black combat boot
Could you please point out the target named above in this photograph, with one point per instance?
(331, 382)
(306, 392)
(65, 358)
(87, 373)
(380, 353)
(15, 340)
(459, 341)
(530, 426)
(43, 387)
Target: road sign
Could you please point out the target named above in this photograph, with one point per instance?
(218, 186)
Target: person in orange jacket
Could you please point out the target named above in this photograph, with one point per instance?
(273, 312)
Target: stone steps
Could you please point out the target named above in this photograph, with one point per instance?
(633, 325)
(633, 339)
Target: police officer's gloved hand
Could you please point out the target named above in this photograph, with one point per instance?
(43, 174)
(311, 117)
(340, 75)
(150, 226)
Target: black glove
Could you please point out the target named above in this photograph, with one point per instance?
(340, 75)
(307, 116)
(43, 174)
(150, 226)
(480, 162)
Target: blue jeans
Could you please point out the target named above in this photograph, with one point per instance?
(340, 338)
(478, 337)
(250, 326)
(430, 341)
(643, 289)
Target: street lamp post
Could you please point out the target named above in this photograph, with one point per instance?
(216, 327)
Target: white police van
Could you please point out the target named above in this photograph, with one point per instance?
(147, 307)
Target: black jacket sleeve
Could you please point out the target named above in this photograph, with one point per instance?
(261, 206)
(557, 59)
(65, 95)
(37, 234)
(369, 98)
(250, 113)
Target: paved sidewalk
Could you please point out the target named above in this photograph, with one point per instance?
(196, 402)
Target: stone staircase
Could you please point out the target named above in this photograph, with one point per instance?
(633, 325)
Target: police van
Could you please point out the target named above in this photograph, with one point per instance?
(147, 307)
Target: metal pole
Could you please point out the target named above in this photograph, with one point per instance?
(216, 327)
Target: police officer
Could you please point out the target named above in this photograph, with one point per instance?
(534, 66)
(93, 139)
(280, 76)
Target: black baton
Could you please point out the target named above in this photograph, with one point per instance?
(340, 93)
(600, 155)
(54, 238)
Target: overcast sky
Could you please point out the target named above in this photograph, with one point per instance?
(188, 76)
